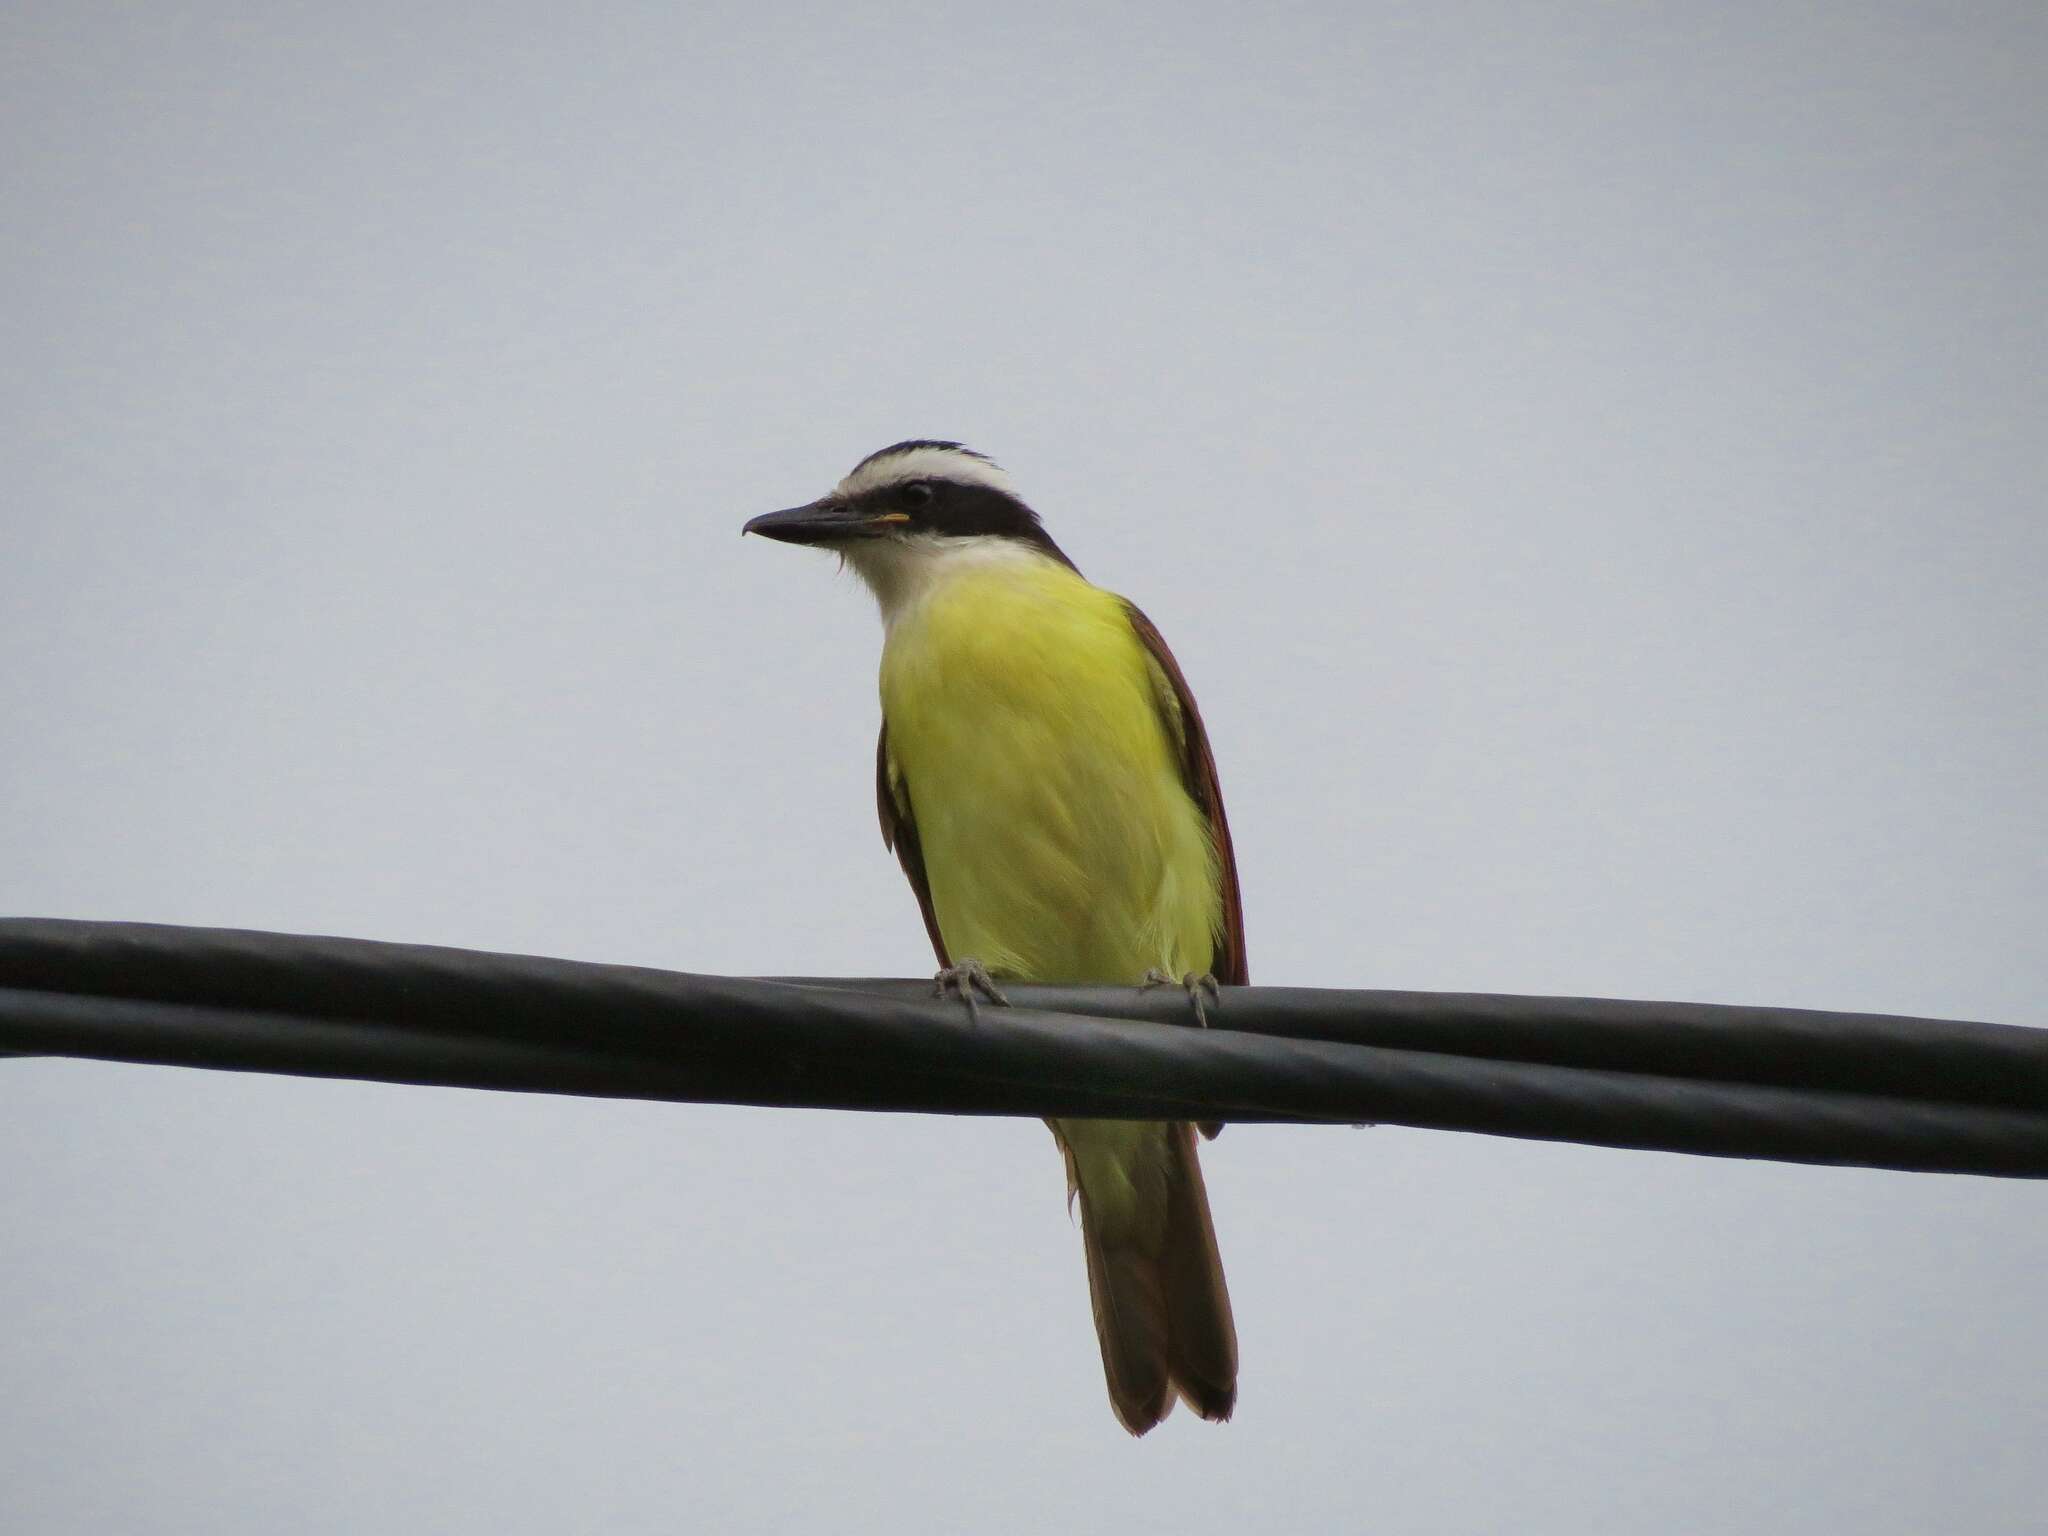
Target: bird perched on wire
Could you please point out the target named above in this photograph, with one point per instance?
(1044, 778)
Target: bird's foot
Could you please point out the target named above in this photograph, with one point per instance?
(1197, 985)
(966, 979)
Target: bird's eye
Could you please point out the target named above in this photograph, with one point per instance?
(918, 493)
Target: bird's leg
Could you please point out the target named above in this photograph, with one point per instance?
(964, 980)
(1194, 983)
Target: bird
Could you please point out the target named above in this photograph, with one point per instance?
(1044, 779)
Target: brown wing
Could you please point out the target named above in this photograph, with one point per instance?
(1198, 773)
(899, 831)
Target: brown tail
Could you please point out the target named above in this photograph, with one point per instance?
(1155, 1280)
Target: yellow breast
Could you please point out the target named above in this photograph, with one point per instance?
(1024, 718)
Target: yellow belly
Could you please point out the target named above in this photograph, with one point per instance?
(1059, 843)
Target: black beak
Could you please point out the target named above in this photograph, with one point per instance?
(822, 522)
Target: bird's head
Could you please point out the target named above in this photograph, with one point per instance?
(910, 508)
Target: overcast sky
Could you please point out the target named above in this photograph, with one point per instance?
(1589, 461)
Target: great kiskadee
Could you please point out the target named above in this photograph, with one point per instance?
(1045, 781)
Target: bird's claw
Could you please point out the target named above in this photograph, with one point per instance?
(966, 979)
(1196, 984)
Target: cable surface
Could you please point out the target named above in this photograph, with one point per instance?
(1795, 1085)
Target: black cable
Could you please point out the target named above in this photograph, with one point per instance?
(1790, 1084)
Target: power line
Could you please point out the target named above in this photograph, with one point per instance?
(1796, 1085)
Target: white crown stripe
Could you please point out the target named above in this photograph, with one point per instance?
(925, 463)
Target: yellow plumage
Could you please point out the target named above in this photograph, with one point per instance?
(1059, 841)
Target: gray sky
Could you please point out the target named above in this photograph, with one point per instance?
(1588, 459)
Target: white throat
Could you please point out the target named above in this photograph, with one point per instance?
(903, 570)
